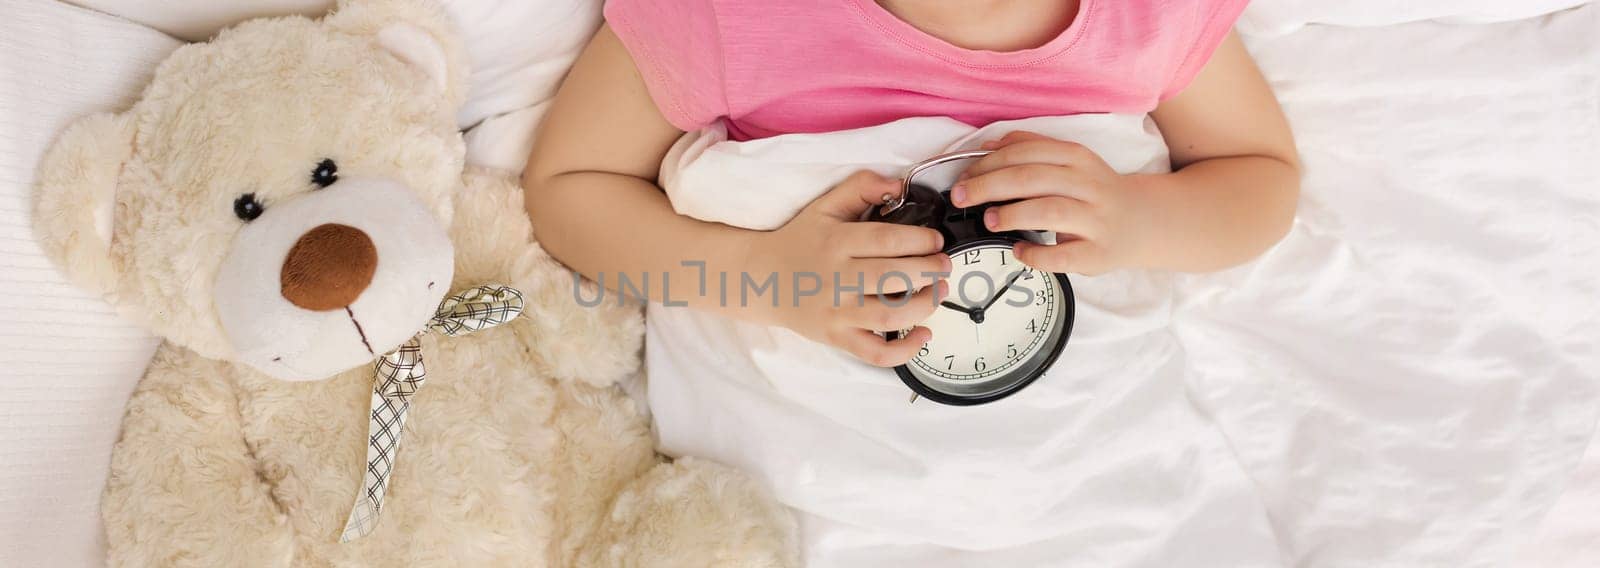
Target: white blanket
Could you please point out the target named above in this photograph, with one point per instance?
(1408, 379)
(1103, 460)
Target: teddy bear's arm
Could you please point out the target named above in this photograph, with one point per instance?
(620, 505)
(184, 488)
(573, 337)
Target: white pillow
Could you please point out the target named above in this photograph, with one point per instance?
(67, 363)
(196, 21)
(1277, 17)
(519, 49)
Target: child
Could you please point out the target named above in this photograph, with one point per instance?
(663, 67)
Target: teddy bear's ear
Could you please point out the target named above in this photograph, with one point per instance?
(75, 197)
(417, 32)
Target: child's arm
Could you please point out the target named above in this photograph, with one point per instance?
(595, 206)
(1232, 195)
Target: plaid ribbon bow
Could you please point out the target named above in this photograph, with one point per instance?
(399, 374)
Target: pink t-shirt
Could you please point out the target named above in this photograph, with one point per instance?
(780, 66)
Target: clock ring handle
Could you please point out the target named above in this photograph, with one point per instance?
(893, 202)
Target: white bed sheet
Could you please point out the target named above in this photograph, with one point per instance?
(1429, 330)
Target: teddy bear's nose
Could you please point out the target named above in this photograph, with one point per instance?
(328, 267)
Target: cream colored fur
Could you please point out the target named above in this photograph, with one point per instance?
(520, 450)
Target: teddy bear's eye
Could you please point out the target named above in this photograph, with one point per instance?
(247, 208)
(325, 173)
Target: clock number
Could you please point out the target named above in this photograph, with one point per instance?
(949, 362)
(924, 351)
(977, 365)
(1027, 274)
(1002, 257)
(969, 257)
(1038, 299)
(1011, 351)
(1032, 327)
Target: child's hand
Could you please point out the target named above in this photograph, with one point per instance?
(825, 240)
(1098, 215)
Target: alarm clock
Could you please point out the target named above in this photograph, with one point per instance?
(1003, 324)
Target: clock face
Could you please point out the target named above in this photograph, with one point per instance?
(1002, 325)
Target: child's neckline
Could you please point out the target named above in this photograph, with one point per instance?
(915, 38)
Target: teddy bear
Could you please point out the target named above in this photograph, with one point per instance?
(288, 203)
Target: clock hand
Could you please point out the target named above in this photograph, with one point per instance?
(1003, 289)
(957, 307)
